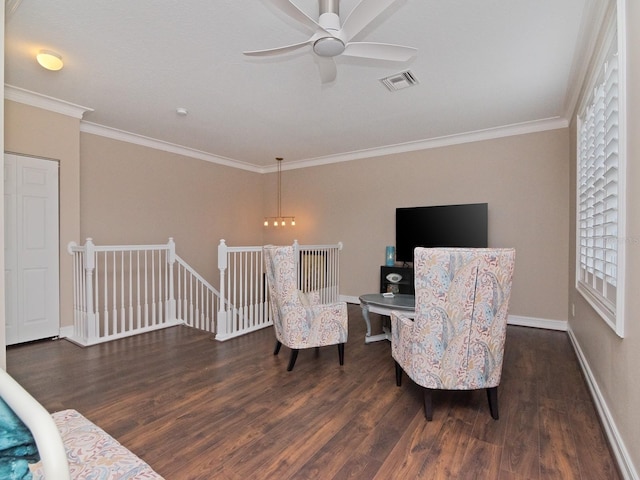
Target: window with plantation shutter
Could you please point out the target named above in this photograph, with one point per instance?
(599, 199)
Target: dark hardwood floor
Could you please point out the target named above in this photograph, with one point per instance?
(195, 408)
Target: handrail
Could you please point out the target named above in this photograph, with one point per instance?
(196, 274)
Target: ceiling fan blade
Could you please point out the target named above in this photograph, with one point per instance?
(361, 15)
(294, 12)
(380, 51)
(278, 50)
(328, 69)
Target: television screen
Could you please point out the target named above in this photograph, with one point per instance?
(440, 226)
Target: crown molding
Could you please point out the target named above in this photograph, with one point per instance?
(589, 36)
(438, 142)
(45, 102)
(469, 137)
(121, 135)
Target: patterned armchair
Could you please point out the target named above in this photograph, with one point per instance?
(456, 341)
(299, 320)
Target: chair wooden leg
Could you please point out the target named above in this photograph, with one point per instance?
(428, 407)
(398, 374)
(292, 359)
(277, 349)
(492, 395)
(341, 353)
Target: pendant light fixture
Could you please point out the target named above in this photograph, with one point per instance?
(280, 220)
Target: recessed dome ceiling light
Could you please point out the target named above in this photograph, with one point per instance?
(49, 60)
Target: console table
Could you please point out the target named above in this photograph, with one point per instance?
(376, 303)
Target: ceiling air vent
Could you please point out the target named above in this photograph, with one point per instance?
(399, 81)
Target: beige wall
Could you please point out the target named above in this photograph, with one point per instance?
(132, 194)
(125, 193)
(41, 133)
(614, 361)
(523, 178)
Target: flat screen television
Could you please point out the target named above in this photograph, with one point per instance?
(440, 226)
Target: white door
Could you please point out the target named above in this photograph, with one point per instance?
(31, 249)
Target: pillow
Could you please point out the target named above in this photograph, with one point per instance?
(17, 446)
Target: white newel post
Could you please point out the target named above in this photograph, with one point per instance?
(91, 331)
(171, 301)
(221, 324)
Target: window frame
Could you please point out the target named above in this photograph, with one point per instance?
(610, 309)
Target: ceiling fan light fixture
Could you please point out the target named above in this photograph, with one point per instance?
(49, 60)
(328, 47)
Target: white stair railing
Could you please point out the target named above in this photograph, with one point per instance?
(124, 290)
(242, 284)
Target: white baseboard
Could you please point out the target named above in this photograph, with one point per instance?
(349, 299)
(620, 452)
(537, 323)
(66, 331)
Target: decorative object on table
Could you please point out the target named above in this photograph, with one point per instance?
(404, 284)
(394, 277)
(393, 288)
(456, 340)
(390, 256)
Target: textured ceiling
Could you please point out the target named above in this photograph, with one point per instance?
(481, 64)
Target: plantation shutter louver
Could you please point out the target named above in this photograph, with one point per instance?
(598, 208)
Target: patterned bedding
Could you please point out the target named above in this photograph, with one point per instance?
(93, 453)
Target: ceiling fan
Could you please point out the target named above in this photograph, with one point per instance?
(330, 38)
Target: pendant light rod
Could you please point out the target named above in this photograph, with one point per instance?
(279, 220)
(279, 159)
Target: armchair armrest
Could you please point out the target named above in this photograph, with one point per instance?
(336, 310)
(401, 322)
(402, 333)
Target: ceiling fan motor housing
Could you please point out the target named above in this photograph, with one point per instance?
(329, 20)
